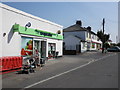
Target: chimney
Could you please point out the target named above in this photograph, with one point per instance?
(79, 22)
(89, 28)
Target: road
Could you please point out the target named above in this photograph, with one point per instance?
(88, 70)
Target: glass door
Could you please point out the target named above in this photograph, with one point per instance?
(40, 46)
(37, 47)
(43, 49)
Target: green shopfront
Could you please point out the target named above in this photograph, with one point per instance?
(46, 43)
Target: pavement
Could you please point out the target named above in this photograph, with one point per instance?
(51, 68)
(63, 59)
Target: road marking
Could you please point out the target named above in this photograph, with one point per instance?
(105, 56)
(57, 75)
(66, 72)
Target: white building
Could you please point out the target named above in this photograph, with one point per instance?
(96, 44)
(88, 40)
(0, 32)
(22, 33)
(74, 43)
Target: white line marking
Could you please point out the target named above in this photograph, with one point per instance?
(66, 72)
(106, 56)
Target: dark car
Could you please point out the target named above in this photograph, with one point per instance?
(114, 49)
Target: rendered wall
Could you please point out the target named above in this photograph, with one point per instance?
(12, 41)
(80, 34)
(0, 44)
(85, 48)
(0, 31)
(71, 42)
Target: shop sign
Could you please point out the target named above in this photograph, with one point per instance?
(36, 32)
(44, 33)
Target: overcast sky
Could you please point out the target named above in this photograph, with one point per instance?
(66, 13)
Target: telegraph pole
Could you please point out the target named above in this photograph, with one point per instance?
(103, 36)
(103, 25)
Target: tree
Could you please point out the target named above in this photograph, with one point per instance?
(103, 37)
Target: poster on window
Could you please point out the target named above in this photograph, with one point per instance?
(26, 46)
(93, 45)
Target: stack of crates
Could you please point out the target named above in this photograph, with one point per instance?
(11, 63)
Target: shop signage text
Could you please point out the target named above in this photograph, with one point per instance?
(44, 33)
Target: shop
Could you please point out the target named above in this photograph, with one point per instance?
(46, 43)
(23, 34)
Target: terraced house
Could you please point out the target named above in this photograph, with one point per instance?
(79, 39)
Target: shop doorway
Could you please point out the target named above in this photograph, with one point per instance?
(36, 46)
(41, 47)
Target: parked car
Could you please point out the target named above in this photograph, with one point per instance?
(114, 49)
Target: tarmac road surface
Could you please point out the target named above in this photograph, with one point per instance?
(88, 70)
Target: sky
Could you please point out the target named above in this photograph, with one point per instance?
(66, 13)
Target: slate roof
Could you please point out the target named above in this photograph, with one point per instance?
(76, 27)
(93, 33)
(73, 28)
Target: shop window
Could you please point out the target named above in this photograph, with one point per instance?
(27, 46)
(93, 45)
(51, 49)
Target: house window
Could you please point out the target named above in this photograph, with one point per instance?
(95, 37)
(83, 45)
(88, 34)
(92, 36)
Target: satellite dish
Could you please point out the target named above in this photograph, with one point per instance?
(28, 24)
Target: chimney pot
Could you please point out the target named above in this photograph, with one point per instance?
(79, 22)
(89, 28)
